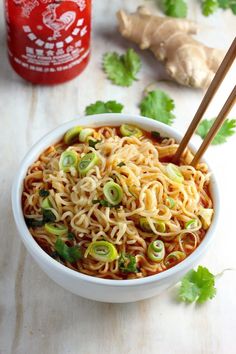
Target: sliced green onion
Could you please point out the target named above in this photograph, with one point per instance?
(85, 133)
(102, 251)
(68, 159)
(160, 226)
(145, 226)
(171, 202)
(130, 130)
(46, 204)
(156, 251)
(191, 224)
(174, 258)
(206, 217)
(174, 173)
(72, 135)
(113, 192)
(56, 229)
(87, 162)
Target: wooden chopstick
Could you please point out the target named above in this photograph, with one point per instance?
(218, 78)
(215, 127)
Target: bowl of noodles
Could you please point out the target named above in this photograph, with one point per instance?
(105, 213)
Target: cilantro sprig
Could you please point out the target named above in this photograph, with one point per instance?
(210, 6)
(197, 285)
(159, 106)
(227, 130)
(70, 254)
(175, 8)
(122, 69)
(104, 107)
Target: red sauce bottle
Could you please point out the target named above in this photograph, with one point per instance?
(48, 41)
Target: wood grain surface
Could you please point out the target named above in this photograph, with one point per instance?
(39, 317)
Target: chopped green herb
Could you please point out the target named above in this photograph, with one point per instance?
(157, 136)
(48, 216)
(209, 7)
(71, 236)
(104, 107)
(197, 286)
(92, 143)
(175, 8)
(227, 130)
(127, 263)
(158, 105)
(34, 222)
(122, 69)
(43, 193)
(70, 254)
(121, 164)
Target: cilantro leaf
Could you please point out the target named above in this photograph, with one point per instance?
(197, 286)
(227, 130)
(158, 105)
(43, 193)
(93, 143)
(127, 263)
(70, 254)
(104, 107)
(71, 236)
(157, 136)
(121, 164)
(122, 69)
(209, 7)
(48, 216)
(228, 4)
(175, 8)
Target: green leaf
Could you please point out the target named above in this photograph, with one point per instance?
(122, 69)
(71, 236)
(104, 107)
(70, 254)
(158, 105)
(43, 193)
(209, 7)
(34, 222)
(227, 130)
(93, 143)
(175, 8)
(127, 263)
(48, 216)
(228, 4)
(197, 286)
(121, 164)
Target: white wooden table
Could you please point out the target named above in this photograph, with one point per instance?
(39, 317)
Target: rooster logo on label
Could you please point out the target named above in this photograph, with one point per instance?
(57, 23)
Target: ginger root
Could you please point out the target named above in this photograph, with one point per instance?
(187, 61)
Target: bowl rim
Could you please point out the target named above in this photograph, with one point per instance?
(112, 119)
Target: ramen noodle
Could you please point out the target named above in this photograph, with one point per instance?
(108, 202)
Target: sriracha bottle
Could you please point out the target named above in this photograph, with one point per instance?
(48, 40)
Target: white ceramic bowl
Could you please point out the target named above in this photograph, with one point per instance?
(116, 291)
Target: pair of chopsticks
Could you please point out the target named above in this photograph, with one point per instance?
(218, 78)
